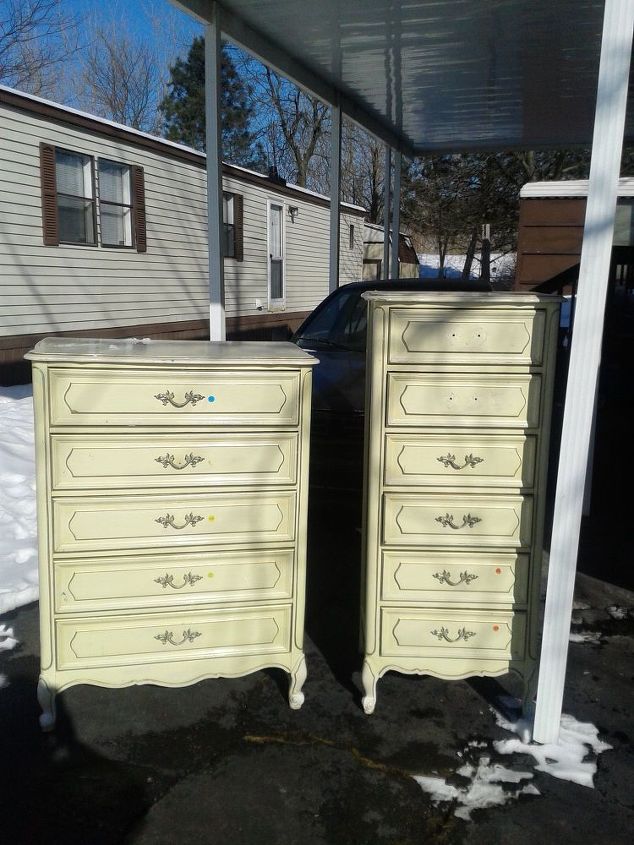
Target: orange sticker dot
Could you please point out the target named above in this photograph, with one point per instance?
(496, 627)
(498, 571)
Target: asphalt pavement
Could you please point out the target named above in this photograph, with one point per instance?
(226, 761)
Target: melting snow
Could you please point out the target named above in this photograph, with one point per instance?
(617, 612)
(483, 790)
(7, 640)
(18, 530)
(566, 759)
(585, 637)
(493, 785)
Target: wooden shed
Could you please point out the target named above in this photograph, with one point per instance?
(552, 216)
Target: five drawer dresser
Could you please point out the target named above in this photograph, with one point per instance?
(172, 499)
(458, 403)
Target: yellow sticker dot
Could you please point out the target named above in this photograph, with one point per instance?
(211, 518)
(210, 575)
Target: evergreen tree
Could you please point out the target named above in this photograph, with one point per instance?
(183, 108)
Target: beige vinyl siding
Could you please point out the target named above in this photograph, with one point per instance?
(74, 287)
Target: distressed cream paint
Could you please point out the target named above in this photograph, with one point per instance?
(458, 405)
(172, 499)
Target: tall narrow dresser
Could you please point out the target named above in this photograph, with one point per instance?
(172, 498)
(459, 393)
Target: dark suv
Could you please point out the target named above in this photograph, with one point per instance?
(336, 333)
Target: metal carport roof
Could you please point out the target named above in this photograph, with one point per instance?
(436, 74)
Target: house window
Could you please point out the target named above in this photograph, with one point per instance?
(76, 212)
(351, 236)
(229, 229)
(115, 204)
(73, 200)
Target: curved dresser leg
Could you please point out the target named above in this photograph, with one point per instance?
(368, 679)
(298, 676)
(46, 699)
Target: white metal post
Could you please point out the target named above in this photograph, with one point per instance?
(387, 182)
(396, 215)
(585, 355)
(335, 194)
(213, 131)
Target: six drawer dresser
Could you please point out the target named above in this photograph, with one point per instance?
(172, 500)
(458, 402)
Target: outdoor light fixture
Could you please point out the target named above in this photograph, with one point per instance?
(293, 211)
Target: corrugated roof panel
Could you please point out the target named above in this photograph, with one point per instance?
(446, 74)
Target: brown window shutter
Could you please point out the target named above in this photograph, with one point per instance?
(138, 200)
(238, 226)
(50, 225)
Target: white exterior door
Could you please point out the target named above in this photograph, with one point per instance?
(277, 293)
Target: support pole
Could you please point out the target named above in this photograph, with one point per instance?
(387, 182)
(585, 355)
(396, 215)
(213, 130)
(335, 194)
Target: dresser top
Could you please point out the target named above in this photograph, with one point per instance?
(146, 351)
(465, 299)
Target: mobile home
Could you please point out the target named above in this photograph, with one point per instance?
(103, 232)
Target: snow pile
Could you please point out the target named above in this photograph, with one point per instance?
(484, 787)
(565, 760)
(18, 529)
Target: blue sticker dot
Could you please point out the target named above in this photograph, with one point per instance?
(211, 398)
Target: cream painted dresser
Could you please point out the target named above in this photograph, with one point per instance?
(172, 493)
(459, 392)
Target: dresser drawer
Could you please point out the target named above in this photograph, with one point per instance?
(465, 578)
(159, 637)
(154, 582)
(443, 399)
(459, 460)
(487, 634)
(163, 522)
(195, 460)
(448, 520)
(101, 397)
(467, 336)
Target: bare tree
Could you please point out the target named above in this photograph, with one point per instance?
(302, 121)
(36, 37)
(119, 78)
(362, 170)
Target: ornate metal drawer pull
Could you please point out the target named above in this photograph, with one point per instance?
(168, 519)
(167, 580)
(450, 461)
(467, 521)
(445, 578)
(169, 461)
(168, 637)
(167, 398)
(443, 634)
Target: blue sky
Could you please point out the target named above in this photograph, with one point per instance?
(140, 16)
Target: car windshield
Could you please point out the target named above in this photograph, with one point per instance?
(342, 322)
